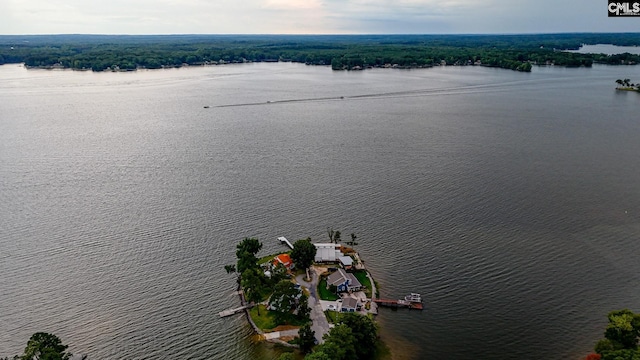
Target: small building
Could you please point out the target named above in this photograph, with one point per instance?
(349, 304)
(346, 262)
(327, 252)
(283, 259)
(343, 281)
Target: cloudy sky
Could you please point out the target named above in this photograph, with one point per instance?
(308, 16)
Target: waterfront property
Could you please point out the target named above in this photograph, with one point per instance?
(346, 262)
(283, 259)
(349, 304)
(327, 252)
(344, 281)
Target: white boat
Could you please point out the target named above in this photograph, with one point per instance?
(413, 297)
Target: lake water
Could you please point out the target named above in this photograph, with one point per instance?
(509, 200)
(607, 49)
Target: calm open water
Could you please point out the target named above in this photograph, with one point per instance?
(511, 201)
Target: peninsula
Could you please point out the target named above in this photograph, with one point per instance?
(317, 297)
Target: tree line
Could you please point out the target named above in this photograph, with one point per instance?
(341, 52)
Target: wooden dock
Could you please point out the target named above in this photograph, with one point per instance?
(233, 311)
(399, 304)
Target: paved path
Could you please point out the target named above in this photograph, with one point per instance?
(279, 334)
(319, 324)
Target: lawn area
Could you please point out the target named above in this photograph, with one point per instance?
(324, 293)
(267, 258)
(361, 275)
(265, 321)
(332, 316)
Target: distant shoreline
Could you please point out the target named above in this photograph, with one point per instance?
(341, 52)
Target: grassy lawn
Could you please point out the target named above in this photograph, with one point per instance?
(266, 259)
(324, 293)
(332, 316)
(266, 321)
(361, 275)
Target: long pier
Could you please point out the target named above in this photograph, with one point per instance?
(399, 304)
(233, 311)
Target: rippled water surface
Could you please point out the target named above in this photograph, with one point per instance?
(509, 200)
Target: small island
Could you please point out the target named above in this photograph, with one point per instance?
(627, 85)
(317, 297)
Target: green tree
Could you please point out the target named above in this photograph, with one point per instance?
(230, 268)
(253, 283)
(318, 355)
(45, 346)
(621, 336)
(336, 237)
(339, 343)
(286, 356)
(246, 254)
(283, 300)
(303, 307)
(330, 232)
(623, 329)
(278, 273)
(306, 338)
(365, 331)
(303, 253)
(353, 240)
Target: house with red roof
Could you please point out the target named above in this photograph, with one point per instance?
(283, 259)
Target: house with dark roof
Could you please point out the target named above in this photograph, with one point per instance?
(343, 281)
(346, 262)
(349, 304)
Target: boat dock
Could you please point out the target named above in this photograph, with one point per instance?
(399, 304)
(285, 241)
(233, 311)
(411, 301)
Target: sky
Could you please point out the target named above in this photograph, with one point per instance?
(308, 17)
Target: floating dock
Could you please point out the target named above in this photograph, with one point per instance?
(233, 311)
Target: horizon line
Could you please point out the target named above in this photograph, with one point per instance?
(328, 34)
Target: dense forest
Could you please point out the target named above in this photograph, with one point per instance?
(342, 52)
